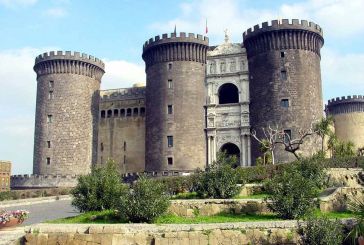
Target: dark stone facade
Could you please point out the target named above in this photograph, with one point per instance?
(66, 118)
(180, 60)
(285, 80)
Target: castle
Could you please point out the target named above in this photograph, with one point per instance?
(198, 100)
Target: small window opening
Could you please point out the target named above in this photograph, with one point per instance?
(285, 103)
(283, 75)
(116, 112)
(49, 119)
(102, 114)
(109, 113)
(165, 173)
(50, 95)
(51, 84)
(170, 109)
(102, 147)
(170, 84)
(122, 113)
(48, 160)
(48, 144)
(287, 135)
(128, 112)
(135, 112)
(142, 111)
(124, 145)
(170, 160)
(170, 141)
(282, 54)
(169, 66)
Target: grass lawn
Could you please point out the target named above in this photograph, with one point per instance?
(109, 217)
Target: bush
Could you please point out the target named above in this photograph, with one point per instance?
(292, 193)
(219, 180)
(99, 190)
(321, 231)
(145, 201)
(178, 184)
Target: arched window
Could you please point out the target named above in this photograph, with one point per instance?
(228, 93)
(122, 113)
(135, 112)
(142, 111)
(109, 113)
(102, 114)
(128, 112)
(116, 112)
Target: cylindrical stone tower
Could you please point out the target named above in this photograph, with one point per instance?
(65, 138)
(175, 96)
(348, 113)
(285, 80)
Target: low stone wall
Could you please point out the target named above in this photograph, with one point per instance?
(278, 232)
(251, 189)
(338, 200)
(208, 207)
(350, 177)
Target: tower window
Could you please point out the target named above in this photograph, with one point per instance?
(283, 75)
(170, 160)
(49, 119)
(282, 54)
(50, 95)
(170, 109)
(170, 84)
(48, 160)
(170, 141)
(102, 147)
(169, 66)
(116, 112)
(51, 84)
(285, 103)
(48, 144)
(124, 145)
(287, 135)
(102, 114)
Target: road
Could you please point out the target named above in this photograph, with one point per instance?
(42, 212)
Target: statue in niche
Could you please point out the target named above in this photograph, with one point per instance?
(242, 64)
(232, 66)
(212, 67)
(223, 66)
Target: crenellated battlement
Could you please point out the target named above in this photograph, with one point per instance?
(293, 24)
(68, 55)
(123, 93)
(345, 104)
(283, 35)
(182, 37)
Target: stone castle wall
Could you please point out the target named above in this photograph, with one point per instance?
(66, 113)
(175, 68)
(5, 172)
(121, 133)
(285, 80)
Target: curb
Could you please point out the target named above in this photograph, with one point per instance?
(31, 201)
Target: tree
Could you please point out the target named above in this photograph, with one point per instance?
(268, 143)
(323, 129)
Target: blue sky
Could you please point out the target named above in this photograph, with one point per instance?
(115, 31)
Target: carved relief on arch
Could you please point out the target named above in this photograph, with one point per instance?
(223, 139)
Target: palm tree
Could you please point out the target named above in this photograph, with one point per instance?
(323, 129)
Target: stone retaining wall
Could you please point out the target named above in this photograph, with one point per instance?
(277, 232)
(338, 200)
(350, 177)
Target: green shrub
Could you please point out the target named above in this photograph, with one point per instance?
(219, 180)
(99, 190)
(7, 195)
(357, 230)
(146, 201)
(321, 231)
(291, 193)
(178, 184)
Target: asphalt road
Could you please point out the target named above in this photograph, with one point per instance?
(42, 212)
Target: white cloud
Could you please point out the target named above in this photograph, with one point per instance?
(122, 74)
(56, 12)
(17, 3)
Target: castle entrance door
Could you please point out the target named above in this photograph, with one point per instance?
(231, 150)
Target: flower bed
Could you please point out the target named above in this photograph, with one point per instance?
(12, 218)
